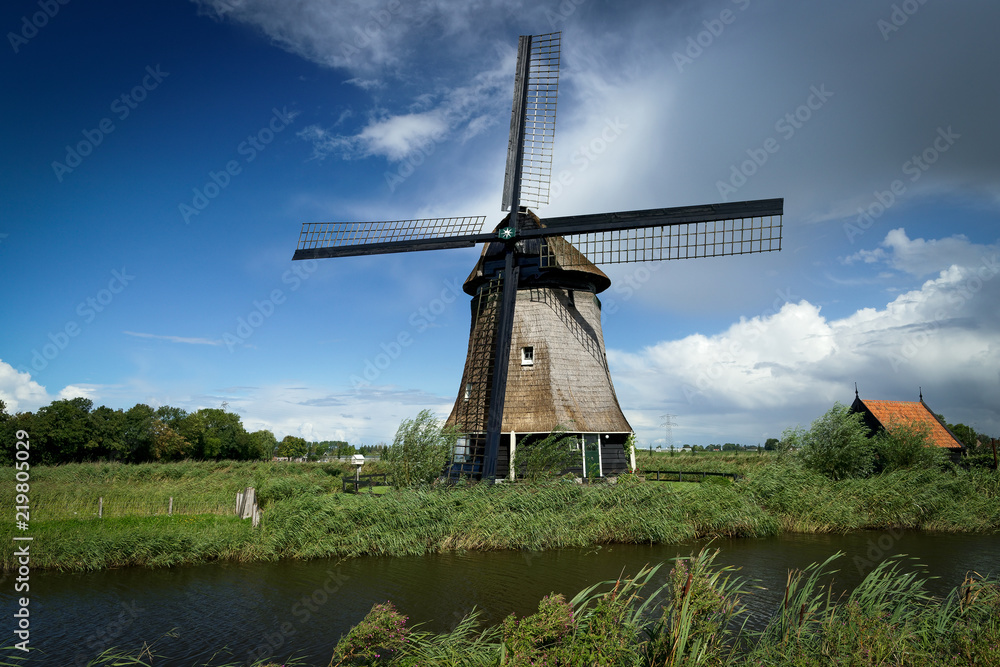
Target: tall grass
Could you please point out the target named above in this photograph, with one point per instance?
(306, 516)
(696, 617)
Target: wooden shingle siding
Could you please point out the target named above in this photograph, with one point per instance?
(566, 382)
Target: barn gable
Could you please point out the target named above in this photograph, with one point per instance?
(882, 415)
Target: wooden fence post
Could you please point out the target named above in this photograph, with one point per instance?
(170, 507)
(100, 507)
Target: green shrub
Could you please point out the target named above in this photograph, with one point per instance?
(836, 445)
(549, 457)
(420, 452)
(906, 445)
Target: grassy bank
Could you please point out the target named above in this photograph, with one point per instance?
(306, 516)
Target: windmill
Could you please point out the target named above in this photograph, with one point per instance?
(522, 244)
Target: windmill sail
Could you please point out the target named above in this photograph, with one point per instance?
(344, 239)
(533, 122)
(684, 232)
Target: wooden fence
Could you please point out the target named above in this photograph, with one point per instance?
(365, 481)
(683, 476)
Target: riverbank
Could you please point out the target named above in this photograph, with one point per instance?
(306, 516)
(448, 609)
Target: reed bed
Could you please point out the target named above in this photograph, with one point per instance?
(692, 612)
(305, 515)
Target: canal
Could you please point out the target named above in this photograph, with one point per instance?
(229, 613)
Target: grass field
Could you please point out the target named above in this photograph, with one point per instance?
(306, 514)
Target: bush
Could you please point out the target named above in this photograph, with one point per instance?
(905, 445)
(420, 452)
(546, 458)
(837, 444)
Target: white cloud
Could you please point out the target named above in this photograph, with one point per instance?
(366, 416)
(77, 391)
(465, 111)
(176, 339)
(942, 337)
(19, 392)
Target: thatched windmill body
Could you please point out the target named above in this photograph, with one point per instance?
(536, 339)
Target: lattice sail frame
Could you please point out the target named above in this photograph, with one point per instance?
(316, 235)
(739, 236)
(538, 101)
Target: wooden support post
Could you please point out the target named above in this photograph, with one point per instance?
(170, 507)
(100, 507)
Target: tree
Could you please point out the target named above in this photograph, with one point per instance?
(224, 436)
(63, 430)
(905, 445)
(770, 444)
(730, 447)
(420, 451)
(548, 457)
(137, 435)
(293, 447)
(965, 434)
(106, 436)
(167, 444)
(262, 445)
(837, 444)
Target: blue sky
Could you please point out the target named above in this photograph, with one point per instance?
(160, 157)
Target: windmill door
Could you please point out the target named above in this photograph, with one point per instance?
(591, 455)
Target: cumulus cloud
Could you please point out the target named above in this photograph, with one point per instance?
(942, 337)
(19, 392)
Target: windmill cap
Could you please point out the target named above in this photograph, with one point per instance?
(566, 266)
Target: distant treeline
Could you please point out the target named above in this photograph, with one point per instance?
(73, 431)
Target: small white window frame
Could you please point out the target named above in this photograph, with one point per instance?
(528, 355)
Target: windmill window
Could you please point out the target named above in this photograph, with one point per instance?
(468, 390)
(528, 356)
(461, 450)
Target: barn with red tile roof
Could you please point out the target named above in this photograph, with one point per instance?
(882, 415)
